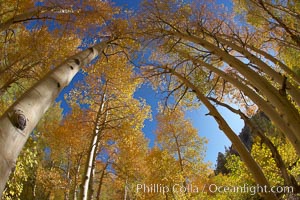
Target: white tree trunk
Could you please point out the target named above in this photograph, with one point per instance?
(89, 170)
(287, 111)
(21, 118)
(245, 155)
(266, 107)
(293, 91)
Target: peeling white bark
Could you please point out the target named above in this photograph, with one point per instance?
(32, 105)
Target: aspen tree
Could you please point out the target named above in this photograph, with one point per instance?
(21, 118)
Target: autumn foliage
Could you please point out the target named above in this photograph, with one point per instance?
(71, 78)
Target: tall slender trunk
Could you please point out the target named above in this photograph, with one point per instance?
(265, 106)
(251, 164)
(101, 181)
(34, 190)
(289, 180)
(68, 175)
(277, 77)
(89, 168)
(285, 68)
(125, 191)
(86, 192)
(180, 160)
(21, 118)
(92, 175)
(287, 111)
(76, 175)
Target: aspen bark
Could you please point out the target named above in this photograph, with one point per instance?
(251, 164)
(287, 111)
(288, 179)
(125, 192)
(180, 159)
(266, 107)
(76, 176)
(280, 22)
(101, 180)
(285, 68)
(89, 168)
(278, 78)
(85, 192)
(21, 118)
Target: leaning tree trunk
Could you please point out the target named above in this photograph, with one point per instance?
(21, 118)
(256, 130)
(275, 76)
(266, 107)
(245, 155)
(286, 109)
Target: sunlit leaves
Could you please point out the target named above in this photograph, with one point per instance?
(25, 167)
(178, 156)
(123, 158)
(275, 22)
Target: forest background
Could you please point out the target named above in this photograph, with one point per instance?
(80, 82)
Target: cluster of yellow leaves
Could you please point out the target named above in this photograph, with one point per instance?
(270, 30)
(26, 164)
(178, 156)
(239, 175)
(10, 8)
(27, 57)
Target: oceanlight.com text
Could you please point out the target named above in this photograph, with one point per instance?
(251, 189)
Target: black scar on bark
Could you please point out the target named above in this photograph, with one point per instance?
(91, 49)
(20, 120)
(77, 61)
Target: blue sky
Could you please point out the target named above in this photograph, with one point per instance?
(206, 125)
(208, 128)
(131, 4)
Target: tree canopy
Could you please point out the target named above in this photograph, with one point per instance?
(72, 124)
